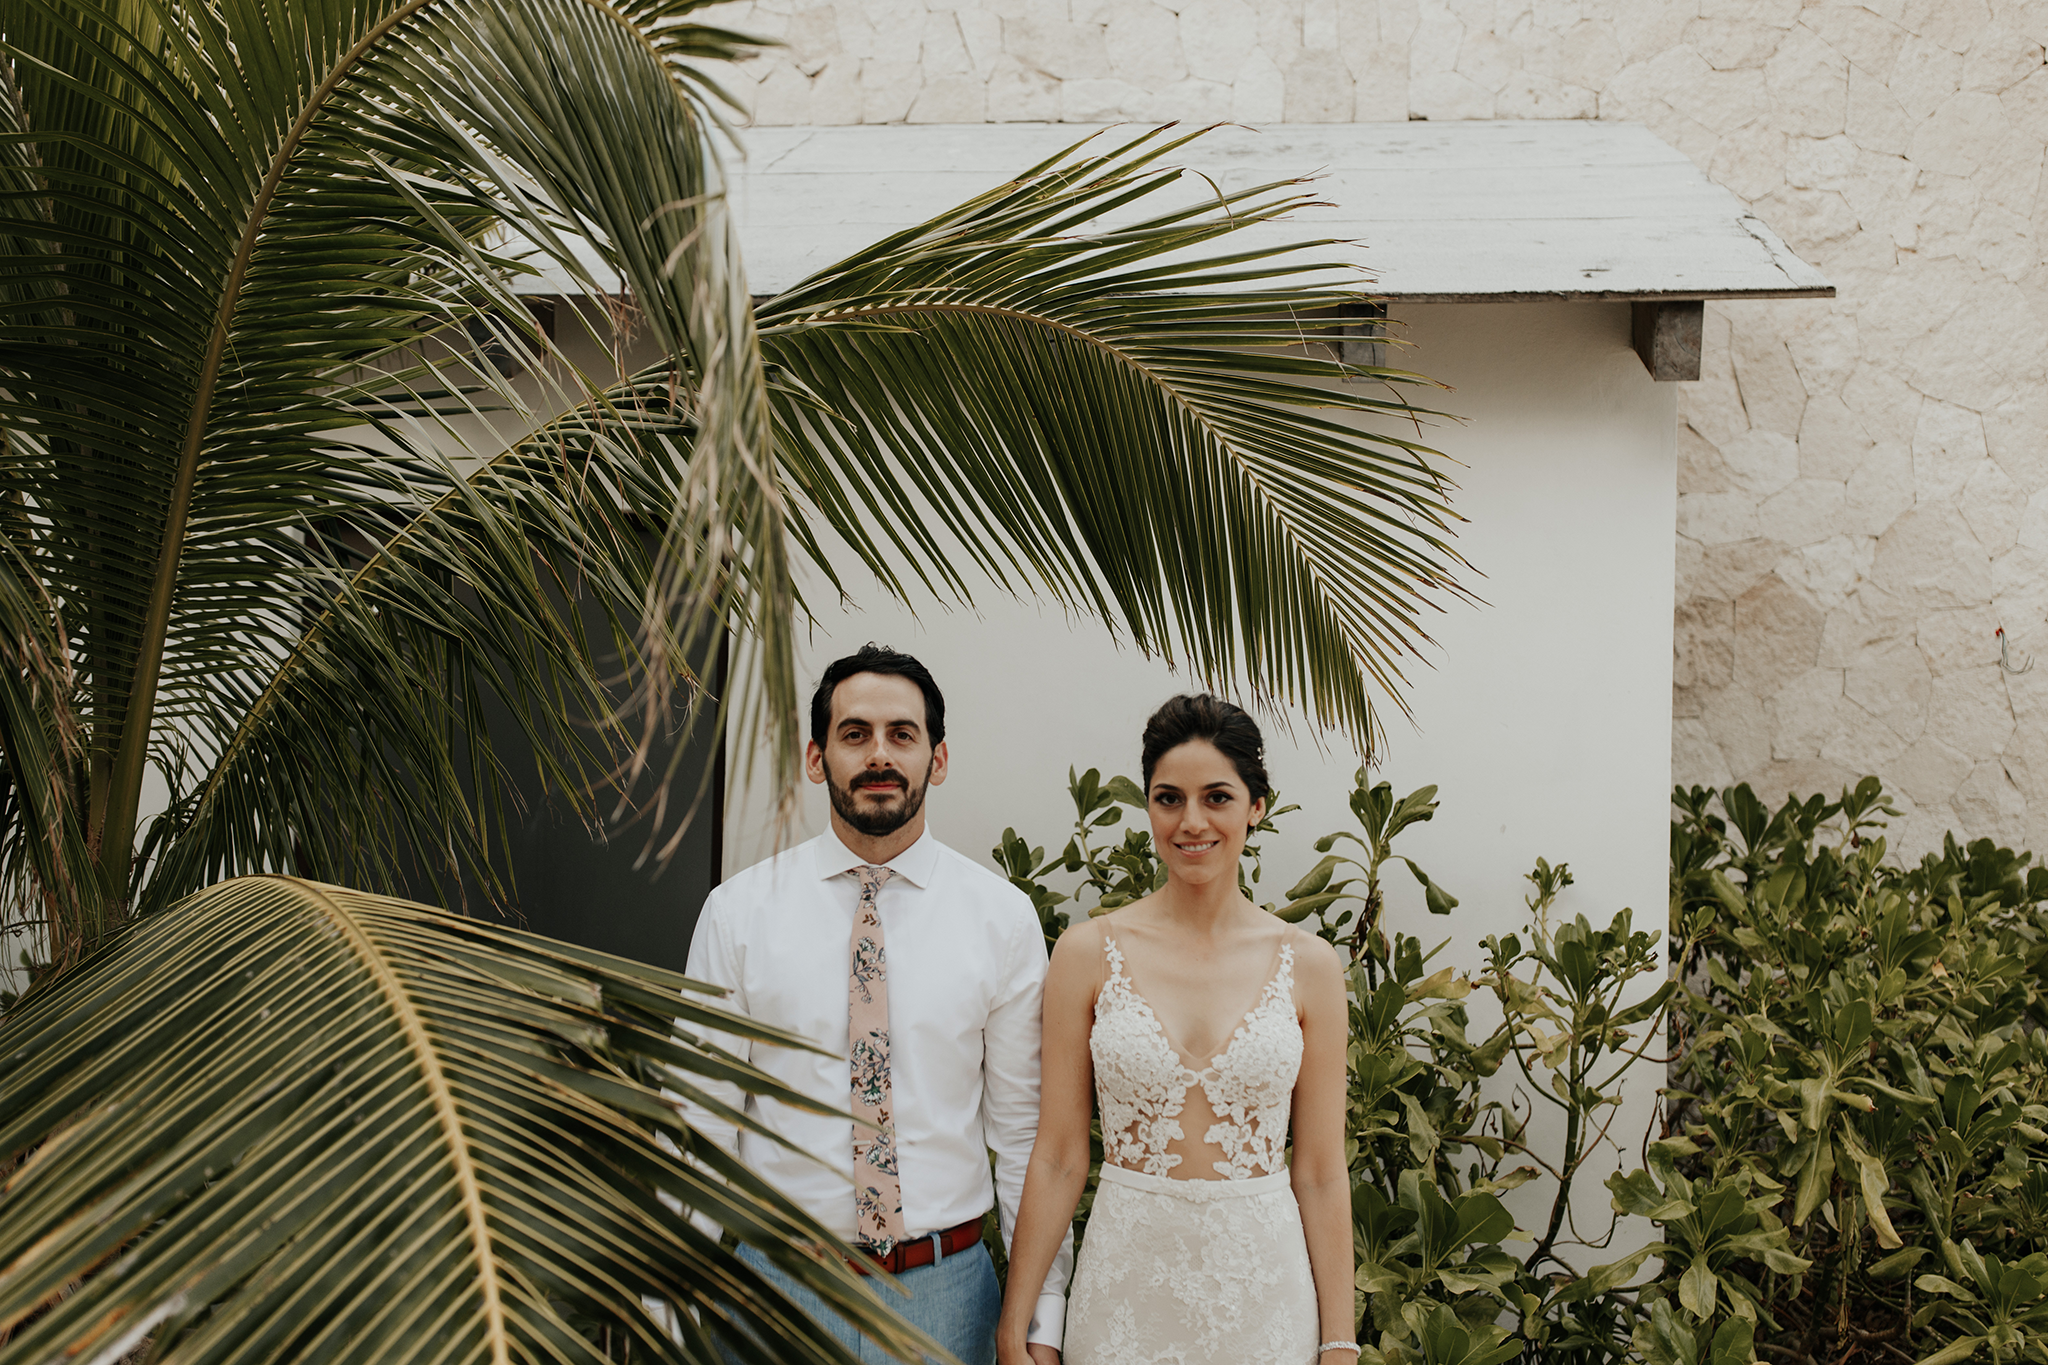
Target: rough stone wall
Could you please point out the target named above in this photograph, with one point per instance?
(1863, 483)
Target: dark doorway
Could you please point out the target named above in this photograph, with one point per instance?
(604, 888)
(601, 888)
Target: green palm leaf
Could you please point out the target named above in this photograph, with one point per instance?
(1113, 416)
(244, 250)
(41, 840)
(290, 1121)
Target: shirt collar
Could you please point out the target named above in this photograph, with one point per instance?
(915, 864)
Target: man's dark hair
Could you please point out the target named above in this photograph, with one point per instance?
(1202, 716)
(874, 658)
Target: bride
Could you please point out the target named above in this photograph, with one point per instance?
(1201, 1025)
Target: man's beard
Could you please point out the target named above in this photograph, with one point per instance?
(875, 823)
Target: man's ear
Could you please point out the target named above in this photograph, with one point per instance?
(814, 761)
(939, 764)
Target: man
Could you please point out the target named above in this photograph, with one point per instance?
(921, 971)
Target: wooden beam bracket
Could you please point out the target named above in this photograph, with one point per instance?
(1667, 334)
(1361, 336)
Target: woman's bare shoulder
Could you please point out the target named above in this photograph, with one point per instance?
(1314, 958)
(1079, 949)
(1085, 933)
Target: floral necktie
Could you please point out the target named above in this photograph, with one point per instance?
(877, 1190)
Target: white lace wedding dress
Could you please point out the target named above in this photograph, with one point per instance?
(1204, 1270)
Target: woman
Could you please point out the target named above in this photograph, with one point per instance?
(1203, 1025)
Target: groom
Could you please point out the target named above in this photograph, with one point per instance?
(921, 972)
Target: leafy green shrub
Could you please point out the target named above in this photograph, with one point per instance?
(1861, 1070)
(1850, 1164)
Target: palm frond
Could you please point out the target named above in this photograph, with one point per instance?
(42, 839)
(285, 1120)
(243, 252)
(476, 591)
(1127, 418)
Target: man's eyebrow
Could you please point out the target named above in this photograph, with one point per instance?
(866, 724)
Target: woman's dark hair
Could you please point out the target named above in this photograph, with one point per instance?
(874, 658)
(1201, 716)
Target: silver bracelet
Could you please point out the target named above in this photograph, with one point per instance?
(1350, 1346)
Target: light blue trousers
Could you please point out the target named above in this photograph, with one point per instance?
(954, 1301)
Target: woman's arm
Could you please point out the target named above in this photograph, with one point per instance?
(1059, 1158)
(1322, 1184)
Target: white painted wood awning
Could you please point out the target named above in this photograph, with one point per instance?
(1436, 212)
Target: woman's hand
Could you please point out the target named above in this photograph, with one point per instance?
(1015, 1351)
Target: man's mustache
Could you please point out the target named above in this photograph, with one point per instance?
(879, 780)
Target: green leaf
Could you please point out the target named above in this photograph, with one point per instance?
(1125, 791)
(1296, 911)
(1874, 1184)
(1813, 1182)
(1442, 985)
(1375, 1278)
(1896, 1264)
(1961, 1349)
(1646, 1008)
(1942, 1284)
(1665, 1339)
(1482, 1219)
(1438, 900)
(1637, 1192)
(280, 1092)
(1613, 1274)
(1318, 877)
(1422, 1135)
(1734, 1343)
(1699, 1290)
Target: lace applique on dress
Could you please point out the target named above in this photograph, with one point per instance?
(1141, 1084)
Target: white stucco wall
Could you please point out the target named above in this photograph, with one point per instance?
(1569, 458)
(1864, 484)
(1544, 721)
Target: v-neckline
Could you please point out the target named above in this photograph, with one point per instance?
(1159, 1024)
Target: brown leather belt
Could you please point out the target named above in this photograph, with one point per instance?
(910, 1255)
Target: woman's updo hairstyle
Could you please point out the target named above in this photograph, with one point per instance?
(1201, 716)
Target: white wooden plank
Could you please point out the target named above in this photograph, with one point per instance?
(1502, 209)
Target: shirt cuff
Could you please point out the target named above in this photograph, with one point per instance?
(1049, 1323)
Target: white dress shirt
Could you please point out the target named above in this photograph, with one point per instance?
(966, 962)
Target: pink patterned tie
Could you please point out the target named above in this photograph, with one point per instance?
(877, 1190)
